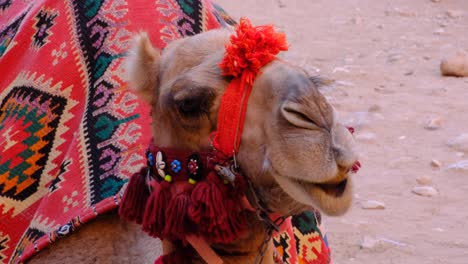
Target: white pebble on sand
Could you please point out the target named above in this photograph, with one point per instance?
(460, 143)
(427, 191)
(371, 204)
(433, 124)
(461, 165)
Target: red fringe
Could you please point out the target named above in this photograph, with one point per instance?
(207, 210)
(178, 224)
(155, 216)
(135, 197)
(217, 210)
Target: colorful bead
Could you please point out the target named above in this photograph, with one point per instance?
(194, 167)
(168, 178)
(176, 166)
(151, 159)
(192, 181)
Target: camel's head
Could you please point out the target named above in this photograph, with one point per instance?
(292, 148)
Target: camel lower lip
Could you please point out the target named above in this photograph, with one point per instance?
(332, 189)
(336, 190)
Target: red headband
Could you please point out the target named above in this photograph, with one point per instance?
(250, 49)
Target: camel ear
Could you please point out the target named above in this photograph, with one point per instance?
(142, 67)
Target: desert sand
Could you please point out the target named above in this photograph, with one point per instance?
(384, 57)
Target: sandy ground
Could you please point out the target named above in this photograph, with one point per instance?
(385, 56)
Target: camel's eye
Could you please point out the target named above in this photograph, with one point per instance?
(195, 103)
(190, 106)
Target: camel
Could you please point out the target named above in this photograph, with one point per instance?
(293, 149)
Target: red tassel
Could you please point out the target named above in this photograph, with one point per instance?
(207, 210)
(178, 224)
(135, 197)
(154, 217)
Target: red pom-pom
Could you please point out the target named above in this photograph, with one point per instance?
(135, 197)
(178, 224)
(251, 48)
(155, 211)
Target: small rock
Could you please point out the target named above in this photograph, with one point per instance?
(424, 180)
(433, 124)
(427, 57)
(401, 137)
(394, 57)
(408, 73)
(375, 108)
(455, 14)
(456, 65)
(427, 191)
(435, 163)
(460, 143)
(461, 165)
(435, 1)
(371, 204)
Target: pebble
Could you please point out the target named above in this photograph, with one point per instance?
(427, 191)
(433, 124)
(461, 165)
(455, 14)
(371, 204)
(427, 57)
(408, 73)
(424, 180)
(436, 1)
(460, 143)
(456, 65)
(436, 164)
(394, 57)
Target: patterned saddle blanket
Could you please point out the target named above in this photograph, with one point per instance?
(71, 133)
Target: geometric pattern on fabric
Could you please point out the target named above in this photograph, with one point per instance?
(302, 240)
(29, 120)
(7, 33)
(44, 21)
(71, 132)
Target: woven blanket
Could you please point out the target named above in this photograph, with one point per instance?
(71, 133)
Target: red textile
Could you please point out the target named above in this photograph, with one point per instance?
(71, 133)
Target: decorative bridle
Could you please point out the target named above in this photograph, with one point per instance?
(199, 198)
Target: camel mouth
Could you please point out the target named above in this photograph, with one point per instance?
(330, 188)
(334, 189)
